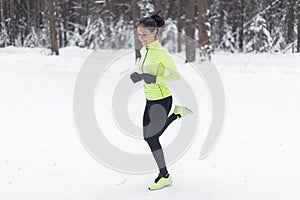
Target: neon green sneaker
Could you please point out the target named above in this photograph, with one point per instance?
(182, 111)
(161, 182)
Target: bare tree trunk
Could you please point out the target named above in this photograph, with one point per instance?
(42, 16)
(79, 12)
(253, 11)
(166, 7)
(290, 20)
(203, 20)
(179, 25)
(30, 18)
(4, 4)
(53, 34)
(34, 14)
(38, 15)
(58, 21)
(298, 45)
(12, 23)
(71, 15)
(64, 22)
(241, 29)
(270, 27)
(253, 8)
(108, 20)
(137, 44)
(190, 49)
(159, 6)
(235, 19)
(221, 24)
(7, 9)
(1, 16)
(172, 10)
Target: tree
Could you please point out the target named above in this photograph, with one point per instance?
(290, 21)
(4, 37)
(241, 29)
(203, 23)
(230, 25)
(261, 42)
(12, 23)
(221, 13)
(58, 21)
(298, 9)
(190, 31)
(53, 34)
(64, 41)
(179, 25)
(235, 19)
(137, 45)
(1, 16)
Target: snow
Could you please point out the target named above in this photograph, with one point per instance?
(256, 158)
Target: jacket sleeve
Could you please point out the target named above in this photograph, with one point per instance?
(167, 61)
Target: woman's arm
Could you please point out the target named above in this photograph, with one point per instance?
(167, 61)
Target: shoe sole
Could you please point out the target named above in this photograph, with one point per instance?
(185, 110)
(189, 111)
(161, 187)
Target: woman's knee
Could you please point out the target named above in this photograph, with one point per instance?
(149, 139)
(153, 143)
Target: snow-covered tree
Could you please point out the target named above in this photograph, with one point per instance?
(146, 7)
(237, 25)
(4, 37)
(259, 38)
(169, 35)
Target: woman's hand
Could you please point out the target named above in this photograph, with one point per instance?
(149, 78)
(136, 77)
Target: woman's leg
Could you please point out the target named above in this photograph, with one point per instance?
(155, 121)
(158, 154)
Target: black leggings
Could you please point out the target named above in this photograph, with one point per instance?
(155, 122)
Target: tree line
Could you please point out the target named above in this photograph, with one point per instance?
(191, 25)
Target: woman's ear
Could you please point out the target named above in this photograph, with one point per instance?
(155, 33)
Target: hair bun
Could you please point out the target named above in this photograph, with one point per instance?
(158, 19)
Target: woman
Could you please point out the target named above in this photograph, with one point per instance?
(155, 60)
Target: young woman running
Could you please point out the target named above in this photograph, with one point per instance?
(155, 61)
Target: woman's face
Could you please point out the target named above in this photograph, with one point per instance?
(145, 35)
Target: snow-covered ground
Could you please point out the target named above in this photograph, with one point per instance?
(42, 156)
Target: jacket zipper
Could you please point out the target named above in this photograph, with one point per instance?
(158, 84)
(147, 48)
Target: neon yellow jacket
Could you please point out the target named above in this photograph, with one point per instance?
(155, 60)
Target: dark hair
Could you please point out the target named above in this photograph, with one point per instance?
(152, 22)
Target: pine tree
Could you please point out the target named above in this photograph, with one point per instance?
(261, 42)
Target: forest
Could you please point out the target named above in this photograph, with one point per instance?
(211, 25)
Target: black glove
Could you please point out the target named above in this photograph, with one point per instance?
(136, 77)
(149, 78)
